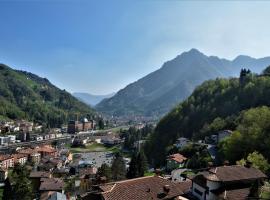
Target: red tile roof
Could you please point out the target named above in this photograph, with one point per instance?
(177, 157)
(234, 173)
(51, 184)
(40, 174)
(152, 187)
(5, 157)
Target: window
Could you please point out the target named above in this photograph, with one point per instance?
(198, 191)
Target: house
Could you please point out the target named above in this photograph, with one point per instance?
(87, 177)
(35, 157)
(52, 196)
(175, 161)
(151, 187)
(51, 184)
(4, 141)
(20, 158)
(65, 155)
(181, 142)
(49, 163)
(223, 134)
(225, 182)
(12, 138)
(6, 161)
(74, 126)
(46, 150)
(110, 140)
(36, 176)
(3, 174)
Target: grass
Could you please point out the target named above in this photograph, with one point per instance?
(149, 174)
(265, 191)
(94, 147)
(1, 193)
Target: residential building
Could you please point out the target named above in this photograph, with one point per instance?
(52, 196)
(87, 176)
(110, 140)
(181, 142)
(225, 182)
(6, 161)
(36, 176)
(151, 187)
(223, 134)
(175, 161)
(74, 126)
(35, 157)
(46, 150)
(51, 184)
(12, 138)
(20, 158)
(4, 140)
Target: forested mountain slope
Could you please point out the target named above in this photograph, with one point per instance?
(24, 95)
(214, 105)
(157, 93)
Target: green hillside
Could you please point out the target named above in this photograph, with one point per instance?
(24, 95)
(215, 105)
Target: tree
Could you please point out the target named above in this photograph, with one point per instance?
(7, 193)
(257, 160)
(266, 71)
(105, 171)
(101, 124)
(118, 168)
(138, 165)
(133, 168)
(22, 188)
(142, 163)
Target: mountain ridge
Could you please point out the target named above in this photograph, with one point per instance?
(24, 95)
(91, 99)
(148, 96)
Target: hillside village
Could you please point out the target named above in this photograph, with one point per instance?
(82, 163)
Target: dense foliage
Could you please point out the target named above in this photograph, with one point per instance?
(138, 165)
(213, 106)
(26, 96)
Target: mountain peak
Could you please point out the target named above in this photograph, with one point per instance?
(193, 52)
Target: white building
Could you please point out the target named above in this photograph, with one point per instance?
(4, 140)
(223, 134)
(181, 142)
(224, 182)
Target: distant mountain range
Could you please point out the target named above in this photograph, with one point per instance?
(91, 99)
(157, 93)
(24, 95)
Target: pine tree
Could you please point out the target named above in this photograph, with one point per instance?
(141, 163)
(133, 168)
(118, 168)
(22, 185)
(7, 193)
(106, 171)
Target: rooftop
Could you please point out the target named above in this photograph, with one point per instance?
(234, 173)
(177, 157)
(51, 184)
(152, 187)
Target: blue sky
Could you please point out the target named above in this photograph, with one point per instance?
(101, 46)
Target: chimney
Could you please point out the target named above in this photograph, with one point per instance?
(248, 164)
(166, 189)
(226, 163)
(157, 172)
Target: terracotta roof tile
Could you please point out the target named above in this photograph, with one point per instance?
(142, 188)
(177, 157)
(51, 184)
(234, 173)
